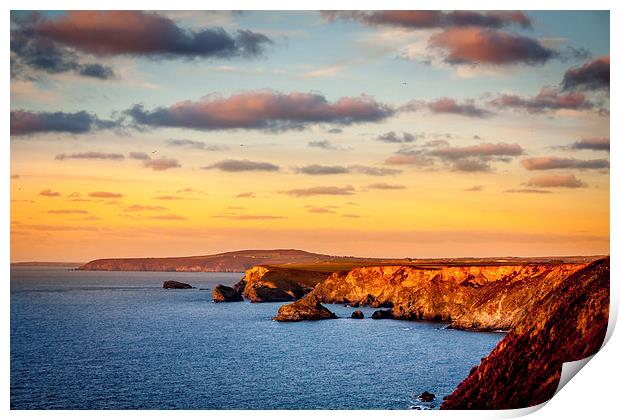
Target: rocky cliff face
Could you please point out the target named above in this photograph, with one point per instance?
(275, 284)
(307, 308)
(490, 297)
(567, 324)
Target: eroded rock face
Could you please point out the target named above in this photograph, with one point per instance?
(223, 293)
(307, 308)
(171, 284)
(493, 297)
(567, 324)
(426, 397)
(275, 284)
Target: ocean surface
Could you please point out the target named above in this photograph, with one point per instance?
(117, 340)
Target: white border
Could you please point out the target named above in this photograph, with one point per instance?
(591, 395)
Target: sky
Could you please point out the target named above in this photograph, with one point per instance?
(370, 133)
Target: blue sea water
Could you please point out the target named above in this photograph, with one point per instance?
(117, 340)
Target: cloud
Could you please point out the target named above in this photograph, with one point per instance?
(323, 170)
(384, 186)
(319, 210)
(53, 45)
(324, 144)
(14, 176)
(139, 156)
(475, 188)
(170, 197)
(482, 150)
(247, 194)
(552, 162)
(373, 171)
(556, 181)
(91, 155)
(161, 164)
(547, 100)
(475, 158)
(426, 19)
(320, 190)
(105, 194)
(476, 46)
(249, 217)
(527, 191)
(450, 106)
(593, 75)
(595, 143)
(393, 137)
(192, 144)
(413, 159)
(262, 110)
(24, 123)
(49, 193)
(335, 130)
(167, 217)
(139, 207)
(352, 216)
(338, 169)
(67, 211)
(232, 165)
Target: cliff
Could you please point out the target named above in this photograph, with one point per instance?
(277, 284)
(475, 297)
(567, 324)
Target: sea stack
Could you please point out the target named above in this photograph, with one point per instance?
(307, 308)
(171, 284)
(223, 293)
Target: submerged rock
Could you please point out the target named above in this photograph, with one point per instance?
(223, 293)
(426, 396)
(171, 284)
(382, 314)
(307, 308)
(357, 315)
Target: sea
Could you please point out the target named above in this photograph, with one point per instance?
(118, 340)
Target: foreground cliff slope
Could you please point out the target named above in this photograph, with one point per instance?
(567, 324)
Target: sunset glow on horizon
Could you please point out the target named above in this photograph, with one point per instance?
(142, 134)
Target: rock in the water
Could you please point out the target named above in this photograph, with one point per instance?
(357, 315)
(426, 396)
(223, 293)
(171, 284)
(307, 308)
(382, 314)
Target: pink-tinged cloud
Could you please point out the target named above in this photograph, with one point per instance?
(424, 19)
(106, 33)
(594, 143)
(547, 100)
(264, 110)
(170, 197)
(249, 217)
(471, 45)
(139, 156)
(105, 194)
(450, 106)
(556, 181)
(161, 164)
(593, 75)
(49, 193)
(320, 190)
(545, 163)
(409, 159)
